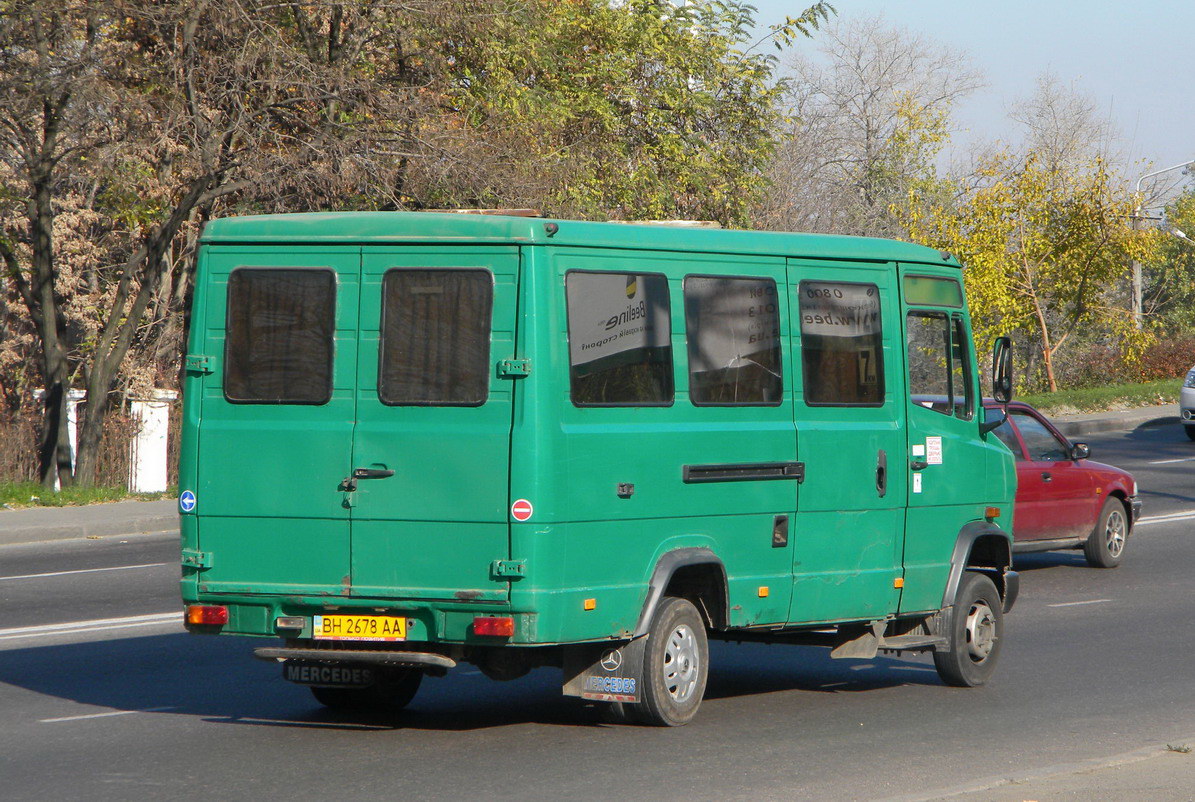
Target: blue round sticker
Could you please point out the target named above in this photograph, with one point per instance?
(186, 502)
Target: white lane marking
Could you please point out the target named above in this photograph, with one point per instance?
(1162, 519)
(83, 571)
(96, 625)
(1076, 604)
(105, 715)
(1169, 461)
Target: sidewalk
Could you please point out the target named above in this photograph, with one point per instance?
(95, 520)
(1121, 420)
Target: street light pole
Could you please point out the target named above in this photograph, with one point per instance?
(1137, 288)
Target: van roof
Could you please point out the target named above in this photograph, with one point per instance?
(432, 227)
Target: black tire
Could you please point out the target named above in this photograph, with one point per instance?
(1190, 430)
(1104, 547)
(391, 694)
(675, 665)
(977, 629)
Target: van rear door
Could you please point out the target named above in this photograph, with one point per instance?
(431, 448)
(279, 333)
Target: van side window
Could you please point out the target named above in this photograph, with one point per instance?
(435, 341)
(938, 373)
(841, 347)
(619, 338)
(733, 330)
(280, 326)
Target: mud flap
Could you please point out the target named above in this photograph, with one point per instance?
(605, 672)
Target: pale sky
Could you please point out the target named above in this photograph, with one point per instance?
(1136, 59)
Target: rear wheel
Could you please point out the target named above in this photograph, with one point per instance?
(393, 692)
(976, 630)
(675, 665)
(1105, 544)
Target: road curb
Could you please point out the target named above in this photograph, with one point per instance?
(41, 524)
(1078, 425)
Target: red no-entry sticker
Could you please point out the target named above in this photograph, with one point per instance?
(521, 510)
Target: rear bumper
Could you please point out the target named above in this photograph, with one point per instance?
(425, 661)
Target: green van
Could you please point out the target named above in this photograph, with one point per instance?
(413, 440)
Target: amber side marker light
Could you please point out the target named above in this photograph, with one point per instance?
(212, 615)
(991, 512)
(494, 626)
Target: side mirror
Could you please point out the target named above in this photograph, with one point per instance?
(1080, 451)
(1001, 381)
(1002, 370)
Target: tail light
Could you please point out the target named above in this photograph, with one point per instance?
(494, 626)
(210, 615)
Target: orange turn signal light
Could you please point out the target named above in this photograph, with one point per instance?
(991, 512)
(494, 626)
(209, 615)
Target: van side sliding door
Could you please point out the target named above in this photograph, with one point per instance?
(850, 512)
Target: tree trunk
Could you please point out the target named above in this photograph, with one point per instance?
(54, 452)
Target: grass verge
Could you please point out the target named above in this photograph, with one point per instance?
(14, 495)
(1106, 399)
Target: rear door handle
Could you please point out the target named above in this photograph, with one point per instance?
(1046, 477)
(349, 483)
(372, 473)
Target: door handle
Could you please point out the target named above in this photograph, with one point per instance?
(882, 473)
(349, 483)
(919, 465)
(372, 473)
(1046, 477)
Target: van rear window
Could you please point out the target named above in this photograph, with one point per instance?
(620, 339)
(435, 348)
(733, 330)
(278, 347)
(841, 347)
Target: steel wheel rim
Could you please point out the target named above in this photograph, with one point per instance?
(1114, 533)
(980, 631)
(682, 664)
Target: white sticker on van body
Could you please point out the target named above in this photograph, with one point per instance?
(933, 450)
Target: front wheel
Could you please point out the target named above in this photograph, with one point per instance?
(675, 665)
(977, 628)
(1105, 545)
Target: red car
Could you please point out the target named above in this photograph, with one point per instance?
(1065, 500)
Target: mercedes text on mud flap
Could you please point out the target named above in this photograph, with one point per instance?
(417, 440)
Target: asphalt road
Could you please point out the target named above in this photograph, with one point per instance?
(1095, 663)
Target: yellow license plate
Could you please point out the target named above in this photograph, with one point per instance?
(360, 627)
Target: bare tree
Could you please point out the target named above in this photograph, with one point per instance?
(51, 74)
(1063, 126)
(868, 116)
(179, 106)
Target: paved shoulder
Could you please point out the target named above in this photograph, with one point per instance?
(94, 520)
